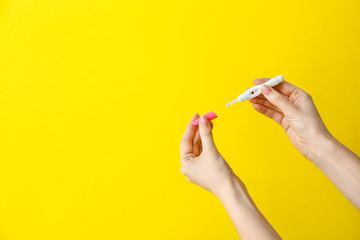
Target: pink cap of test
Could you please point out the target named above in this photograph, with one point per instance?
(209, 116)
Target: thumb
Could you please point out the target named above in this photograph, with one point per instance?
(206, 133)
(277, 99)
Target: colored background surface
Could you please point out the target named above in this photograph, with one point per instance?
(95, 96)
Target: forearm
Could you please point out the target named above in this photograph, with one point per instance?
(247, 219)
(342, 167)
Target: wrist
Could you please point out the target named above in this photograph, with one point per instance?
(322, 149)
(233, 188)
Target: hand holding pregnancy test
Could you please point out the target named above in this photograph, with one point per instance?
(256, 91)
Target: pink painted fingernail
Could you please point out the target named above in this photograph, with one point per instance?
(265, 89)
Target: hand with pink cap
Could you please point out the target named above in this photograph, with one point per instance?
(204, 166)
(201, 162)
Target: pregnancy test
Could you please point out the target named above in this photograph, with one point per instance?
(255, 91)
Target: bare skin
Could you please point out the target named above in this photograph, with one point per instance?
(295, 111)
(204, 166)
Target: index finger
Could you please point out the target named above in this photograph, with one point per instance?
(186, 144)
(284, 87)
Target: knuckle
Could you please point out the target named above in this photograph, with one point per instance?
(278, 98)
(302, 93)
(307, 96)
(297, 95)
(185, 140)
(207, 133)
(187, 157)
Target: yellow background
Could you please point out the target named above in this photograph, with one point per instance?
(95, 96)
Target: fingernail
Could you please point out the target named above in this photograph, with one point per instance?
(196, 115)
(265, 89)
(204, 121)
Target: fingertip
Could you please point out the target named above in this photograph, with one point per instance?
(259, 108)
(196, 116)
(253, 100)
(204, 121)
(256, 106)
(195, 120)
(266, 90)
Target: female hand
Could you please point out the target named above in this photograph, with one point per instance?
(201, 162)
(203, 165)
(294, 110)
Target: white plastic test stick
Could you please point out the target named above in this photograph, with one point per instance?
(255, 91)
